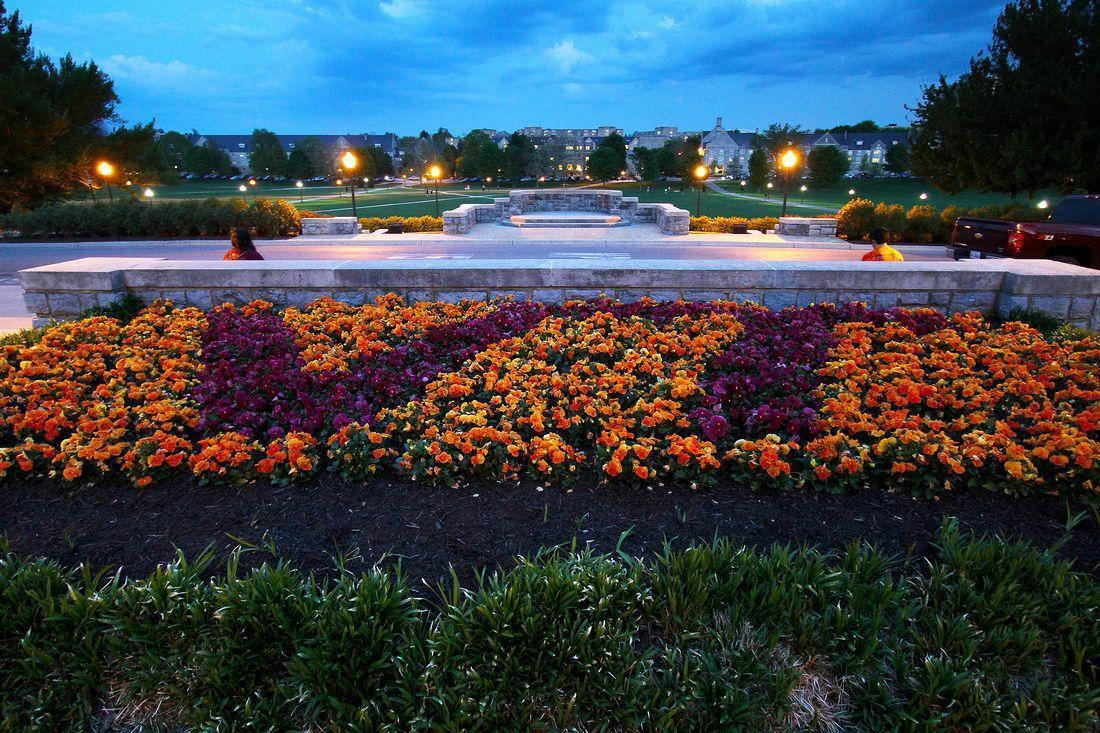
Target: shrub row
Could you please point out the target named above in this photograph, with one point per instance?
(987, 635)
(729, 224)
(409, 223)
(920, 223)
(198, 218)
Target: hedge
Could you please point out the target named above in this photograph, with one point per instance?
(727, 224)
(921, 223)
(984, 635)
(409, 223)
(199, 218)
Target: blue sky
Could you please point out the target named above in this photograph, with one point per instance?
(335, 66)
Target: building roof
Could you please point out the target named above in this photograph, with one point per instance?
(243, 143)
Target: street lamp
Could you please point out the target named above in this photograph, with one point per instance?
(701, 172)
(350, 162)
(106, 171)
(1043, 204)
(242, 188)
(802, 198)
(435, 172)
(767, 188)
(788, 160)
(299, 184)
(851, 192)
(148, 193)
(924, 197)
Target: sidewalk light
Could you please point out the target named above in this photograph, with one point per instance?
(436, 173)
(788, 160)
(349, 161)
(106, 171)
(299, 184)
(701, 172)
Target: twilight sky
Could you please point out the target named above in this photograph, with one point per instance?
(337, 66)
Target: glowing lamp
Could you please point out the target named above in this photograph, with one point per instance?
(105, 169)
(701, 171)
(789, 159)
(349, 161)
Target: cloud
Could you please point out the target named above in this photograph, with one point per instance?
(155, 73)
(402, 8)
(566, 55)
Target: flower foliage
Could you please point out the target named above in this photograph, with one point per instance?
(646, 393)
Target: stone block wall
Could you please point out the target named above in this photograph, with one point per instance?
(797, 226)
(58, 292)
(333, 225)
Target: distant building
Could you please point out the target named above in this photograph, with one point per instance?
(728, 152)
(239, 147)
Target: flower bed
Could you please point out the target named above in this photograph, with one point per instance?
(645, 394)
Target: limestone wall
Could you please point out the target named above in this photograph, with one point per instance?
(61, 291)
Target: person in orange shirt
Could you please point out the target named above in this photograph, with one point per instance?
(880, 250)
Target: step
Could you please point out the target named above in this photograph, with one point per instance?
(563, 219)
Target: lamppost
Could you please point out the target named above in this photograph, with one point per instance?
(701, 172)
(299, 184)
(802, 198)
(788, 160)
(350, 162)
(851, 192)
(148, 193)
(436, 172)
(767, 189)
(106, 171)
(242, 188)
(923, 197)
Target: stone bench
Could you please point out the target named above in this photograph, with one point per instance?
(345, 225)
(804, 226)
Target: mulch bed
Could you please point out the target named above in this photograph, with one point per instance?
(488, 525)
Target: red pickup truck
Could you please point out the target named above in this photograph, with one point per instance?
(1070, 234)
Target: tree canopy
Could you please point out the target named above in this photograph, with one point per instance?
(51, 116)
(897, 158)
(604, 164)
(268, 157)
(760, 167)
(1024, 115)
(826, 164)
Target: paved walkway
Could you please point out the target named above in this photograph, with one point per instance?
(775, 200)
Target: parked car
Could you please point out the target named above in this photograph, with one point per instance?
(1071, 233)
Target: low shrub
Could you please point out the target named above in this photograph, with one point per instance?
(920, 223)
(199, 218)
(727, 224)
(985, 634)
(412, 224)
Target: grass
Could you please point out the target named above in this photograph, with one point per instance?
(401, 201)
(988, 635)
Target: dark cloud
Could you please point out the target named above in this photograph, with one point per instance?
(403, 65)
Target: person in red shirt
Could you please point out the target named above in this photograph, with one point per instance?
(243, 248)
(880, 250)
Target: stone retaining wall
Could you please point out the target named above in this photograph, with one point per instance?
(342, 225)
(800, 226)
(57, 292)
(668, 218)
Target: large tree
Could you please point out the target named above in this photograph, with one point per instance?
(604, 164)
(827, 164)
(268, 157)
(50, 117)
(299, 165)
(760, 167)
(647, 163)
(519, 156)
(492, 160)
(1025, 114)
(383, 162)
(469, 153)
(550, 156)
(897, 158)
(136, 156)
(615, 142)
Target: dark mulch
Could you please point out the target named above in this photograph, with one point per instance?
(484, 524)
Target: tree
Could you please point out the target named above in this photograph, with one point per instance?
(268, 157)
(321, 158)
(299, 165)
(383, 162)
(174, 147)
(862, 126)
(519, 156)
(50, 115)
(469, 153)
(135, 155)
(207, 158)
(615, 142)
(779, 137)
(492, 160)
(760, 167)
(1024, 115)
(897, 158)
(689, 158)
(647, 163)
(603, 164)
(827, 164)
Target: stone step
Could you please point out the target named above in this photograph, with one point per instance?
(562, 219)
(562, 225)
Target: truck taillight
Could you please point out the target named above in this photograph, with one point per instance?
(1016, 241)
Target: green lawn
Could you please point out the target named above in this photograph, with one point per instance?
(892, 191)
(402, 201)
